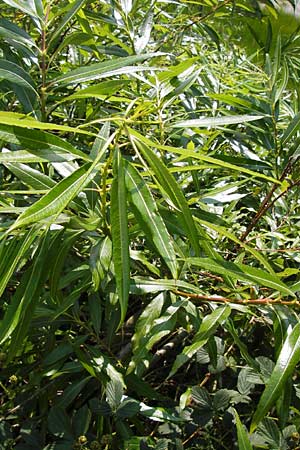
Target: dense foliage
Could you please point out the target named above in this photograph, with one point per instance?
(149, 227)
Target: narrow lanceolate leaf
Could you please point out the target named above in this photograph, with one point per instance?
(22, 121)
(31, 177)
(26, 293)
(40, 143)
(207, 329)
(243, 438)
(103, 69)
(119, 231)
(32, 7)
(285, 365)
(216, 121)
(16, 75)
(168, 184)
(56, 200)
(242, 272)
(291, 130)
(217, 162)
(11, 253)
(74, 8)
(147, 215)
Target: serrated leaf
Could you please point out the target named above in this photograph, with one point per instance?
(114, 393)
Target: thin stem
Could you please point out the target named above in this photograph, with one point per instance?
(266, 204)
(249, 301)
(43, 66)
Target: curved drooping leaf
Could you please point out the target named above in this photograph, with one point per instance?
(23, 121)
(291, 130)
(215, 161)
(242, 272)
(15, 74)
(11, 253)
(108, 68)
(146, 212)
(168, 183)
(56, 200)
(32, 7)
(26, 296)
(119, 231)
(17, 36)
(39, 143)
(216, 121)
(288, 358)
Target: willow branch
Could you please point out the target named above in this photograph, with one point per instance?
(248, 302)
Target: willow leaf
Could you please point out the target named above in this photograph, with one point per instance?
(147, 214)
(216, 121)
(104, 69)
(285, 365)
(242, 272)
(119, 231)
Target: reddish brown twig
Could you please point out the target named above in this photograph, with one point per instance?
(248, 301)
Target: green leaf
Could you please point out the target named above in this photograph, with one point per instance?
(11, 253)
(104, 69)
(39, 143)
(100, 90)
(207, 329)
(114, 393)
(198, 155)
(147, 215)
(31, 177)
(74, 7)
(32, 7)
(119, 231)
(12, 33)
(16, 75)
(285, 365)
(242, 272)
(25, 299)
(23, 121)
(291, 130)
(59, 423)
(57, 199)
(243, 439)
(216, 121)
(71, 392)
(168, 184)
